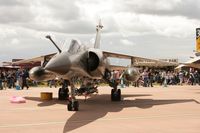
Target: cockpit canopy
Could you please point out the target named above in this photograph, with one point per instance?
(75, 47)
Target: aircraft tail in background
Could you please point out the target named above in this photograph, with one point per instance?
(198, 40)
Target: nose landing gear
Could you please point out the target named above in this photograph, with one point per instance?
(73, 105)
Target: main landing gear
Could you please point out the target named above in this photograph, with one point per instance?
(63, 92)
(115, 95)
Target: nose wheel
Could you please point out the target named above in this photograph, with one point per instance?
(115, 95)
(73, 106)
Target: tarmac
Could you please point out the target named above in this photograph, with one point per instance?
(173, 109)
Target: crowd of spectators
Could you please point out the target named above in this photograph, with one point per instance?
(14, 78)
(148, 78)
(191, 77)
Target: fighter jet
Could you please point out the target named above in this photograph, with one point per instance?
(83, 62)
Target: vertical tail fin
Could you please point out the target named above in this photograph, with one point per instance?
(98, 35)
(197, 40)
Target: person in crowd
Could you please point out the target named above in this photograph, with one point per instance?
(151, 77)
(165, 78)
(52, 82)
(196, 77)
(1, 80)
(145, 77)
(181, 76)
(5, 79)
(191, 77)
(9, 80)
(35, 83)
(24, 79)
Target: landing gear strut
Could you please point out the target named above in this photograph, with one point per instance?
(73, 104)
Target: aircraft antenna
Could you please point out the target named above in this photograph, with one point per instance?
(49, 37)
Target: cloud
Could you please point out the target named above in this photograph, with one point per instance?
(131, 24)
(54, 11)
(185, 8)
(166, 27)
(13, 14)
(46, 15)
(15, 41)
(6, 31)
(127, 42)
(10, 2)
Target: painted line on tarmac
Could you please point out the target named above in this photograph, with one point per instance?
(98, 120)
(34, 108)
(32, 124)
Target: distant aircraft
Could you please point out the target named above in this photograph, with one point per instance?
(194, 61)
(83, 62)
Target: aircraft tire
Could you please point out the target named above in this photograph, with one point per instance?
(69, 106)
(112, 95)
(119, 95)
(59, 94)
(76, 106)
(115, 96)
(62, 94)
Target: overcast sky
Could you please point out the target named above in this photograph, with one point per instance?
(147, 28)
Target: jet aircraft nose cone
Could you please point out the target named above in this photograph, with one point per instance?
(36, 72)
(40, 74)
(59, 64)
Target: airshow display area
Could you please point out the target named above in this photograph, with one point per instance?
(163, 98)
(84, 88)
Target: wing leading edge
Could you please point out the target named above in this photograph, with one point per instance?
(140, 61)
